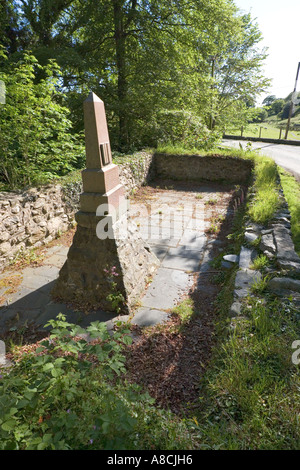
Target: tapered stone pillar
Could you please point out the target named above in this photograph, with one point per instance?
(108, 264)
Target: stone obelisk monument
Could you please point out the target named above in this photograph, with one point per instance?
(109, 263)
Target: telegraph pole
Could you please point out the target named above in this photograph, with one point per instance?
(292, 104)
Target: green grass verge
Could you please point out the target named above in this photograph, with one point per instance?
(250, 393)
(250, 396)
(291, 189)
(267, 130)
(266, 200)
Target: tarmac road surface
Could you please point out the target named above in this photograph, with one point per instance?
(286, 156)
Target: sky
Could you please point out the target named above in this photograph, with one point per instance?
(279, 23)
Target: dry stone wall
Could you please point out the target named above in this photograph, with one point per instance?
(196, 168)
(31, 218)
(35, 217)
(275, 242)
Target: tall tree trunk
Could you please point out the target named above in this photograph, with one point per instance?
(120, 43)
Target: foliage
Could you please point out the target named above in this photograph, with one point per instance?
(238, 75)
(69, 394)
(269, 100)
(249, 395)
(35, 139)
(260, 262)
(180, 126)
(115, 298)
(144, 58)
(291, 189)
(258, 115)
(277, 106)
(266, 199)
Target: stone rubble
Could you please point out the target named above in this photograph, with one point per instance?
(275, 242)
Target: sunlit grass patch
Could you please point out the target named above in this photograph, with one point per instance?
(291, 189)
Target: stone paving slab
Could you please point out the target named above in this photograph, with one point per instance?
(160, 251)
(26, 298)
(38, 277)
(165, 291)
(243, 282)
(149, 317)
(56, 260)
(185, 260)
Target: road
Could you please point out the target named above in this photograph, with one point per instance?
(286, 156)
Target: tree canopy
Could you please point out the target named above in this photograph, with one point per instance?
(166, 69)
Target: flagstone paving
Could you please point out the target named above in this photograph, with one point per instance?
(174, 222)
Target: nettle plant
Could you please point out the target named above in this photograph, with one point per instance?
(68, 394)
(115, 297)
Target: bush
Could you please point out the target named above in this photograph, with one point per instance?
(69, 394)
(35, 141)
(181, 127)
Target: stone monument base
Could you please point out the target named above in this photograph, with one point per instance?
(109, 274)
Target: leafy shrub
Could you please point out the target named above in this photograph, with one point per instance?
(184, 128)
(69, 394)
(35, 140)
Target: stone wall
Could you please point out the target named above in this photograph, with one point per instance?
(136, 172)
(196, 168)
(275, 242)
(32, 218)
(35, 217)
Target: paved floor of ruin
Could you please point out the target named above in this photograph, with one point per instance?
(180, 223)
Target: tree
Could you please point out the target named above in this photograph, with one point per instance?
(146, 59)
(257, 115)
(277, 106)
(269, 100)
(238, 73)
(35, 139)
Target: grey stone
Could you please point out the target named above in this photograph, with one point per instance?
(285, 248)
(38, 277)
(231, 258)
(244, 281)
(250, 237)
(166, 288)
(179, 258)
(235, 309)
(160, 251)
(56, 260)
(256, 228)
(226, 264)
(279, 283)
(267, 243)
(247, 256)
(193, 241)
(149, 317)
(27, 299)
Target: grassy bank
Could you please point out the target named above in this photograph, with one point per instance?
(291, 189)
(250, 395)
(266, 130)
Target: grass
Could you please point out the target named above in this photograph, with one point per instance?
(260, 263)
(291, 189)
(267, 130)
(250, 395)
(266, 200)
(184, 310)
